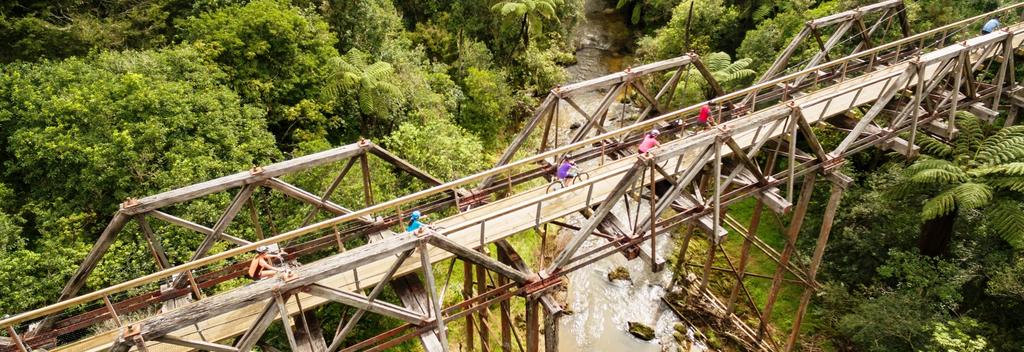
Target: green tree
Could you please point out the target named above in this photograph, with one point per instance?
(978, 173)
(529, 13)
(83, 134)
(366, 25)
(371, 88)
(954, 336)
(485, 112)
(56, 29)
(712, 28)
(92, 132)
(443, 149)
(274, 54)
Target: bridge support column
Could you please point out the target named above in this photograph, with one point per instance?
(551, 331)
(755, 222)
(792, 232)
(532, 325)
(467, 294)
(309, 336)
(484, 315)
(819, 252)
(506, 308)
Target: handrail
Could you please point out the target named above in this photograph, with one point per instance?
(454, 185)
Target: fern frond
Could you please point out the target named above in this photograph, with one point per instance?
(970, 135)
(972, 195)
(1000, 149)
(546, 9)
(1013, 183)
(737, 66)
(716, 61)
(925, 163)
(934, 147)
(927, 171)
(940, 205)
(737, 76)
(1007, 218)
(1009, 169)
(378, 71)
(939, 177)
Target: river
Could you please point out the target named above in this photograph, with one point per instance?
(601, 308)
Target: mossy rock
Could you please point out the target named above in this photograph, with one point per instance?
(680, 338)
(713, 340)
(619, 273)
(641, 331)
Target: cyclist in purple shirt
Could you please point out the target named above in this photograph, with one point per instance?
(567, 171)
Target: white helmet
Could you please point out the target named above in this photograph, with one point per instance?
(262, 249)
(655, 132)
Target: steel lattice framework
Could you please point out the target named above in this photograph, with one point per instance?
(766, 144)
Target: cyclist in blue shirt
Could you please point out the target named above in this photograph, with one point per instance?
(414, 222)
(990, 26)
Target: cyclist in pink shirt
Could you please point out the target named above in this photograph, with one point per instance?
(650, 141)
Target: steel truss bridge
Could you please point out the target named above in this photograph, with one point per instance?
(766, 147)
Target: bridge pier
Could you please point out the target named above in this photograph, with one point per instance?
(309, 336)
(819, 251)
(551, 330)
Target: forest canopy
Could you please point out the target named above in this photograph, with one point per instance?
(102, 101)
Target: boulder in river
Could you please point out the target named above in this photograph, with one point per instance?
(641, 331)
(619, 273)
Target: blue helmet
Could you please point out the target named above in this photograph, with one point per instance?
(415, 215)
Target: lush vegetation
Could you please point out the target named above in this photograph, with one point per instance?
(105, 100)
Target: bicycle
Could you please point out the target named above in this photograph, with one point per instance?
(557, 184)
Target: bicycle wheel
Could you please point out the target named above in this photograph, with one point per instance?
(553, 186)
(583, 176)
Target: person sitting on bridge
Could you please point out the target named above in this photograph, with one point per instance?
(567, 172)
(262, 265)
(990, 26)
(650, 142)
(415, 226)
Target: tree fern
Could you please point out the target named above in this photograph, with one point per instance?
(1009, 169)
(985, 173)
(728, 74)
(528, 12)
(372, 86)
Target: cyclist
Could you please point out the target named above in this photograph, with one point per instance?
(414, 222)
(650, 142)
(567, 172)
(705, 115)
(990, 26)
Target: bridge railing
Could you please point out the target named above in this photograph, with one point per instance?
(839, 70)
